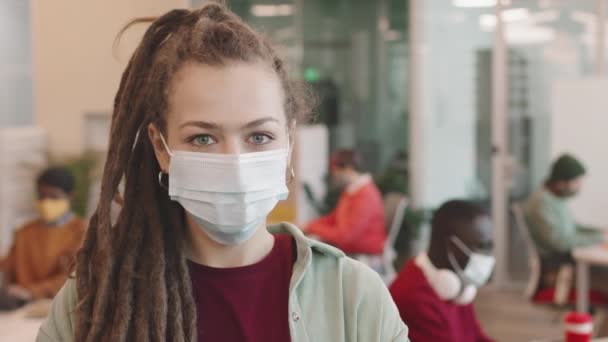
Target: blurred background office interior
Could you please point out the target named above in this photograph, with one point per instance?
(442, 99)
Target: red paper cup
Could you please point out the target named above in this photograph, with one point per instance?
(578, 327)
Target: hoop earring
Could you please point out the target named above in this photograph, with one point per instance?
(292, 176)
(160, 181)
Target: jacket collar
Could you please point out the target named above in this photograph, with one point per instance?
(306, 248)
(551, 196)
(303, 243)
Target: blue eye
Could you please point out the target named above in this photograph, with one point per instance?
(260, 139)
(203, 140)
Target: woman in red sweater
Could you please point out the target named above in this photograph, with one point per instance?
(356, 225)
(434, 291)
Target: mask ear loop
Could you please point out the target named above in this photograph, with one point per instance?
(160, 173)
(292, 174)
(459, 271)
(162, 138)
(461, 245)
(452, 259)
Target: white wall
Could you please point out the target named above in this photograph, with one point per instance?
(15, 63)
(312, 165)
(75, 69)
(579, 126)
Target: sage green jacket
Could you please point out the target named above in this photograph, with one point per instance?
(553, 227)
(332, 298)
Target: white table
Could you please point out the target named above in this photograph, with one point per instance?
(585, 257)
(14, 326)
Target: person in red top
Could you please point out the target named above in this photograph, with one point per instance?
(434, 291)
(356, 225)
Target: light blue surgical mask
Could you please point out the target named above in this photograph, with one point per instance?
(479, 268)
(228, 195)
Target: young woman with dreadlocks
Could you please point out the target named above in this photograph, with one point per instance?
(202, 132)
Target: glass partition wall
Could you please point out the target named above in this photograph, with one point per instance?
(481, 102)
(354, 55)
(462, 88)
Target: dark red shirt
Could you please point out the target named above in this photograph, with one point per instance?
(249, 303)
(428, 317)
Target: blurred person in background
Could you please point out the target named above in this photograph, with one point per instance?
(435, 291)
(395, 176)
(42, 252)
(202, 131)
(553, 228)
(356, 225)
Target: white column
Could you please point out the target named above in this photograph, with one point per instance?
(298, 23)
(601, 38)
(416, 119)
(500, 152)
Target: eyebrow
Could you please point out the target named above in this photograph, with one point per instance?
(260, 122)
(214, 126)
(201, 124)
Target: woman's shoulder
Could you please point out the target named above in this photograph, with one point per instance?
(341, 281)
(59, 325)
(325, 260)
(360, 279)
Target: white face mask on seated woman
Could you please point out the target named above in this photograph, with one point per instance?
(229, 195)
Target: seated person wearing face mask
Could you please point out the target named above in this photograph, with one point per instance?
(356, 225)
(434, 291)
(552, 226)
(40, 258)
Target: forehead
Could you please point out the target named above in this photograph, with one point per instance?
(233, 93)
(49, 189)
(479, 230)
